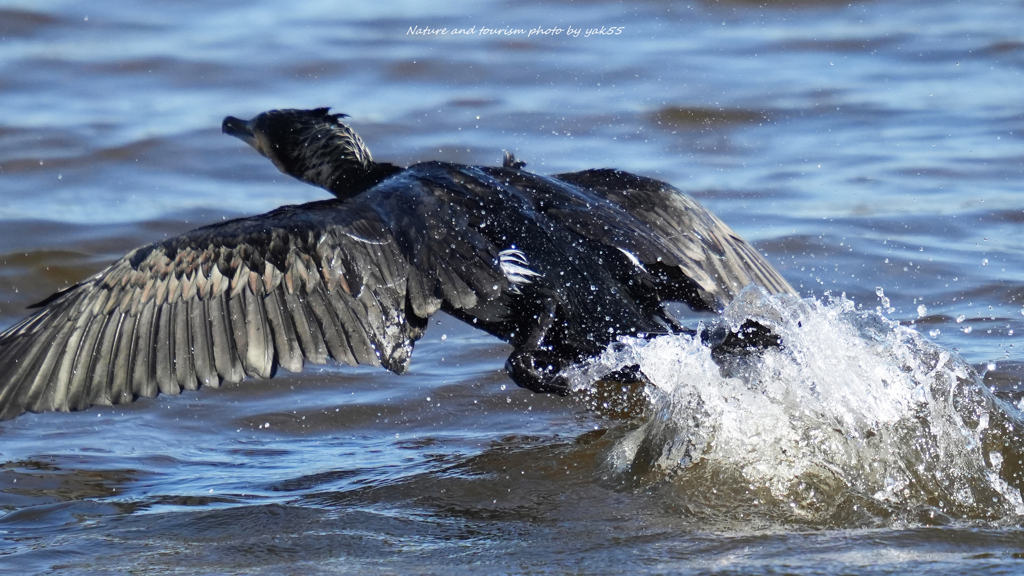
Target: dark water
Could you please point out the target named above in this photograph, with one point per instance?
(874, 151)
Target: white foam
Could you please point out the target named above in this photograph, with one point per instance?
(852, 405)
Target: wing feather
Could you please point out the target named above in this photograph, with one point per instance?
(166, 380)
(667, 230)
(143, 383)
(286, 336)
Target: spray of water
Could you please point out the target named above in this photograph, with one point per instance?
(853, 416)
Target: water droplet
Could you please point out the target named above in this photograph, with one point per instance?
(984, 262)
(982, 422)
(960, 318)
(967, 329)
(922, 311)
(996, 459)
(934, 332)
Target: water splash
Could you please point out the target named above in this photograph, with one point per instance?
(853, 415)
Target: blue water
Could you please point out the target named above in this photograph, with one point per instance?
(861, 146)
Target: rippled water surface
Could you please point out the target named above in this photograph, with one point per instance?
(874, 152)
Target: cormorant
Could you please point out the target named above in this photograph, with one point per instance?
(558, 266)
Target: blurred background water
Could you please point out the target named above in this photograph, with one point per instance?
(873, 150)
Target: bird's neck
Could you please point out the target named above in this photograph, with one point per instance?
(348, 179)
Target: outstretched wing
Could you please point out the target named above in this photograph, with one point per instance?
(678, 234)
(237, 299)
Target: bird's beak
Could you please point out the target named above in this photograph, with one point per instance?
(241, 129)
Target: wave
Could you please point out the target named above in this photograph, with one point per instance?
(853, 420)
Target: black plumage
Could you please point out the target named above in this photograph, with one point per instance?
(559, 266)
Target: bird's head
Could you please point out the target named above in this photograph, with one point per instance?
(314, 146)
